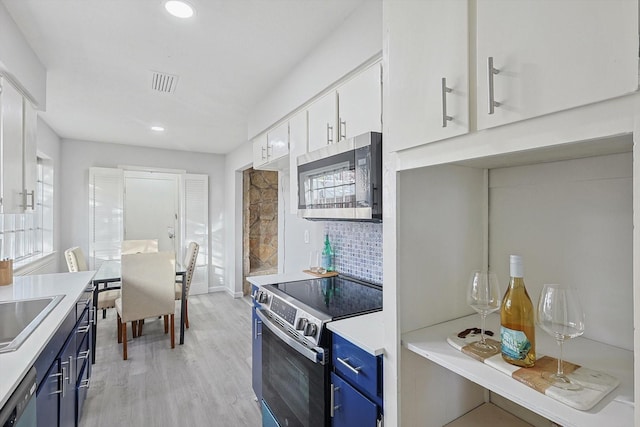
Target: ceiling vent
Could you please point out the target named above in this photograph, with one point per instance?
(163, 83)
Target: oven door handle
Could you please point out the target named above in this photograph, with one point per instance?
(316, 355)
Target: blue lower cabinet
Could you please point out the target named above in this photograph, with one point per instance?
(47, 397)
(350, 407)
(268, 420)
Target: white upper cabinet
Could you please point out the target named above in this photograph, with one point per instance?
(18, 138)
(428, 94)
(322, 116)
(278, 142)
(30, 157)
(259, 151)
(271, 151)
(297, 146)
(552, 55)
(360, 103)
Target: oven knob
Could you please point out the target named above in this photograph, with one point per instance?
(310, 329)
(302, 324)
(263, 297)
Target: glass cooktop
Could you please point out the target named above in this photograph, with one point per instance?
(336, 296)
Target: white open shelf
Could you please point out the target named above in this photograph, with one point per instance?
(615, 409)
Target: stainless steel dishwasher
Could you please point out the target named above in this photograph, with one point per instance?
(20, 409)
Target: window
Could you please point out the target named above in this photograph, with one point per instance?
(27, 235)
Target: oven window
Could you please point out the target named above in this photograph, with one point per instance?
(293, 387)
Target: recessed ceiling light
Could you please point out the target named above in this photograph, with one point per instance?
(157, 128)
(179, 9)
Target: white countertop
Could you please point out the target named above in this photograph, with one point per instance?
(269, 279)
(364, 331)
(14, 365)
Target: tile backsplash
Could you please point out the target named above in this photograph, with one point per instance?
(358, 249)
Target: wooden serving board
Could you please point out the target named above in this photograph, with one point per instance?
(327, 274)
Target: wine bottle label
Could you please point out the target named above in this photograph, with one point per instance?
(515, 344)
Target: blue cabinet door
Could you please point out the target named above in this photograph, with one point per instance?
(256, 354)
(68, 386)
(47, 396)
(350, 407)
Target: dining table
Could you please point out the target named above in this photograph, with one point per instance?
(109, 277)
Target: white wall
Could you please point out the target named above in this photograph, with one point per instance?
(236, 161)
(79, 156)
(358, 39)
(19, 61)
(352, 44)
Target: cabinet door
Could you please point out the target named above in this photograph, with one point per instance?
(427, 42)
(48, 396)
(350, 407)
(260, 156)
(278, 142)
(360, 103)
(68, 379)
(553, 55)
(30, 159)
(256, 354)
(297, 146)
(322, 122)
(11, 138)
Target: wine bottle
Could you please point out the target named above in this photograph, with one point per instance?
(327, 255)
(517, 325)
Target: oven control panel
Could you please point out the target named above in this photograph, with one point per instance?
(302, 326)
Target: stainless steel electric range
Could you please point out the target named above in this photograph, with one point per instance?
(296, 344)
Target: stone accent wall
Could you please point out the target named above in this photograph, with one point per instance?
(260, 222)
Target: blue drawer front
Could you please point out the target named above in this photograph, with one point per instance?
(350, 407)
(368, 378)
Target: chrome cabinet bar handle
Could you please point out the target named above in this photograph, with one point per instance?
(492, 101)
(84, 354)
(329, 134)
(255, 328)
(25, 195)
(345, 362)
(84, 383)
(445, 90)
(84, 329)
(343, 125)
(264, 149)
(333, 407)
(57, 376)
(85, 302)
(64, 377)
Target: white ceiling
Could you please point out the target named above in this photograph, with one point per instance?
(99, 56)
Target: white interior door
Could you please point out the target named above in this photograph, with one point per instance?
(151, 208)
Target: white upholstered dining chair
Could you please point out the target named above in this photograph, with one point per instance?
(76, 262)
(190, 265)
(147, 291)
(138, 246)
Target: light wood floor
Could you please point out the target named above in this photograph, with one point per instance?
(205, 382)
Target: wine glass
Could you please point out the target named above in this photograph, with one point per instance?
(560, 315)
(483, 295)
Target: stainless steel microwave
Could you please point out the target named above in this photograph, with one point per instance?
(342, 181)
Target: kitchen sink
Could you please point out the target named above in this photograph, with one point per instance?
(18, 319)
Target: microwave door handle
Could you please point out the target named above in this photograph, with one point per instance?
(310, 354)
